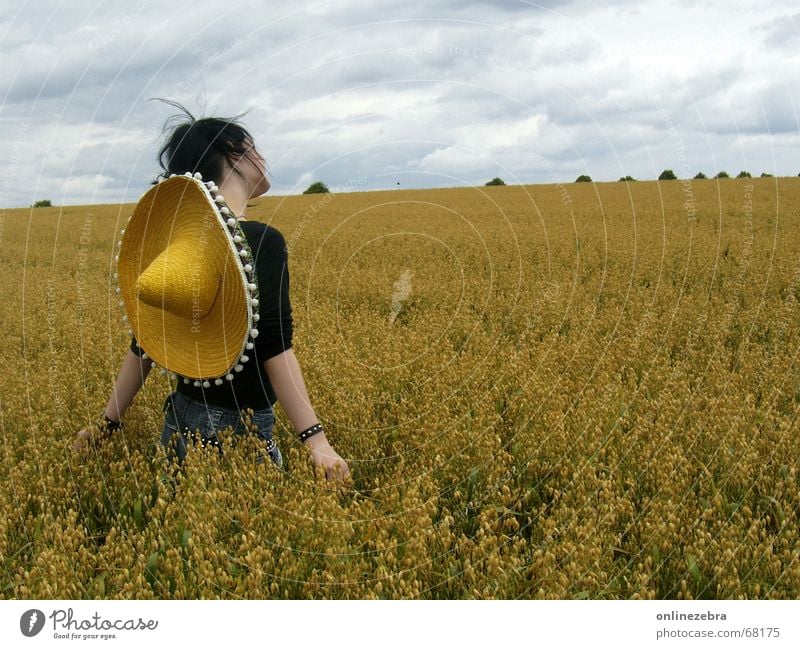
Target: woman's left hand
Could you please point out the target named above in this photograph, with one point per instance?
(82, 438)
(323, 455)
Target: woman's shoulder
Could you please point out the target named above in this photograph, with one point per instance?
(263, 231)
(264, 237)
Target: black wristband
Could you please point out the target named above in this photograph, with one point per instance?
(109, 425)
(311, 430)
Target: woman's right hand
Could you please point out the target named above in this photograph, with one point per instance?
(331, 463)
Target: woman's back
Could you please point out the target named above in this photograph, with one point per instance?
(251, 387)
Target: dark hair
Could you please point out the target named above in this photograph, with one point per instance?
(200, 144)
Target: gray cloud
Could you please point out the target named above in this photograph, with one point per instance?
(781, 32)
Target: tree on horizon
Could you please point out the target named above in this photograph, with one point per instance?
(318, 187)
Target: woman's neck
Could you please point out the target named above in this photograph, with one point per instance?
(235, 196)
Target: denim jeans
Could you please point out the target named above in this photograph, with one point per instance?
(185, 415)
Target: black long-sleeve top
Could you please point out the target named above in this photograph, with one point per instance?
(251, 387)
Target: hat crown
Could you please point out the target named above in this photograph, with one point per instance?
(179, 280)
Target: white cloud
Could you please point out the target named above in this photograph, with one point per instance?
(351, 89)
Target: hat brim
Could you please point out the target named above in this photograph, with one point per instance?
(204, 347)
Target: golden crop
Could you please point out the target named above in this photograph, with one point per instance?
(586, 391)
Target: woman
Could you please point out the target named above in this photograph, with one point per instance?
(223, 151)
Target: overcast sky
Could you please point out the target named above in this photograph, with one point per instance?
(363, 95)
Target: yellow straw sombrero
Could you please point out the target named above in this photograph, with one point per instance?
(187, 281)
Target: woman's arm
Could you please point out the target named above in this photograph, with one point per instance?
(132, 375)
(286, 379)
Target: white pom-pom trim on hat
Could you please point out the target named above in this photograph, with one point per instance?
(249, 345)
(219, 199)
(239, 368)
(218, 381)
(198, 175)
(232, 222)
(229, 377)
(248, 268)
(254, 333)
(185, 380)
(197, 384)
(206, 384)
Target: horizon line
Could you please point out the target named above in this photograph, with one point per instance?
(394, 189)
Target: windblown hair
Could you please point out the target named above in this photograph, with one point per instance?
(201, 144)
